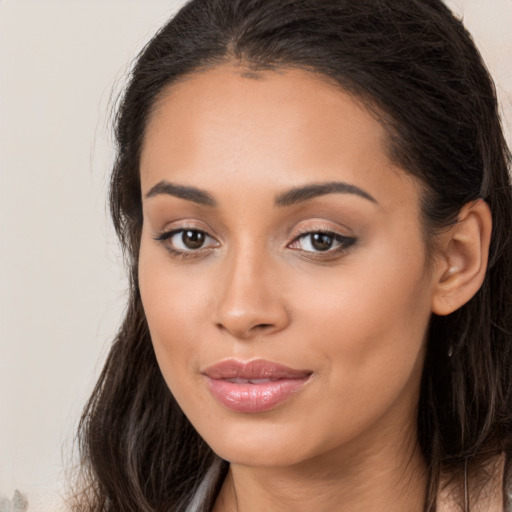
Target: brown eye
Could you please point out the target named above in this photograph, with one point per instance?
(193, 239)
(321, 241)
(186, 241)
(318, 242)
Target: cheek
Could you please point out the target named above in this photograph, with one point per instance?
(379, 307)
(171, 293)
(171, 304)
(370, 329)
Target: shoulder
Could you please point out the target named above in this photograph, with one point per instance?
(206, 493)
(490, 491)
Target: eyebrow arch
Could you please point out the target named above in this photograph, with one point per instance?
(188, 193)
(308, 192)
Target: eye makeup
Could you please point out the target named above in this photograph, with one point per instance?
(190, 242)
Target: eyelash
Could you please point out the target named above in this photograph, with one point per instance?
(345, 242)
(165, 237)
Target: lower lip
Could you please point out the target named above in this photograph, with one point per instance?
(241, 397)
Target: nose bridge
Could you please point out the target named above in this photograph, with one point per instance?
(250, 301)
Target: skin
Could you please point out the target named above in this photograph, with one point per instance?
(357, 319)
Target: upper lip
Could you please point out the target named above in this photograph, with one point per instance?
(254, 369)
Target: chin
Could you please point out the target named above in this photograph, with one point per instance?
(257, 456)
(259, 444)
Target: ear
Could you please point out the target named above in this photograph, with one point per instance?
(461, 262)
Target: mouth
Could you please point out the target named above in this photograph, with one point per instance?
(254, 386)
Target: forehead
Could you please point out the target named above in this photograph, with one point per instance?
(276, 126)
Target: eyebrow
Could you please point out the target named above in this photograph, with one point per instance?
(188, 193)
(288, 198)
(308, 192)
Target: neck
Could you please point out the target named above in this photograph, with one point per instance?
(387, 479)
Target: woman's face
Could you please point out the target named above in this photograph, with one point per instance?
(282, 267)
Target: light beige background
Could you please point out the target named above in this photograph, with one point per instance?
(62, 285)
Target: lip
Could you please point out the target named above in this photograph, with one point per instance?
(253, 386)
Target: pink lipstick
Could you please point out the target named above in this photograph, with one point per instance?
(253, 386)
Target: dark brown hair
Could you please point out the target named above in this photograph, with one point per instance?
(414, 65)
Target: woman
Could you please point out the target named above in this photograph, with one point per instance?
(314, 200)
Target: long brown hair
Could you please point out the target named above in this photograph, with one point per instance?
(414, 64)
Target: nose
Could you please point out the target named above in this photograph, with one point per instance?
(251, 302)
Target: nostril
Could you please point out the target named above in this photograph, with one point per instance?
(245, 331)
(263, 326)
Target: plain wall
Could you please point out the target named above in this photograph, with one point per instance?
(62, 286)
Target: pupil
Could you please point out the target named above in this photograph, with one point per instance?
(193, 239)
(321, 241)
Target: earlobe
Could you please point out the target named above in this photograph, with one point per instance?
(462, 259)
